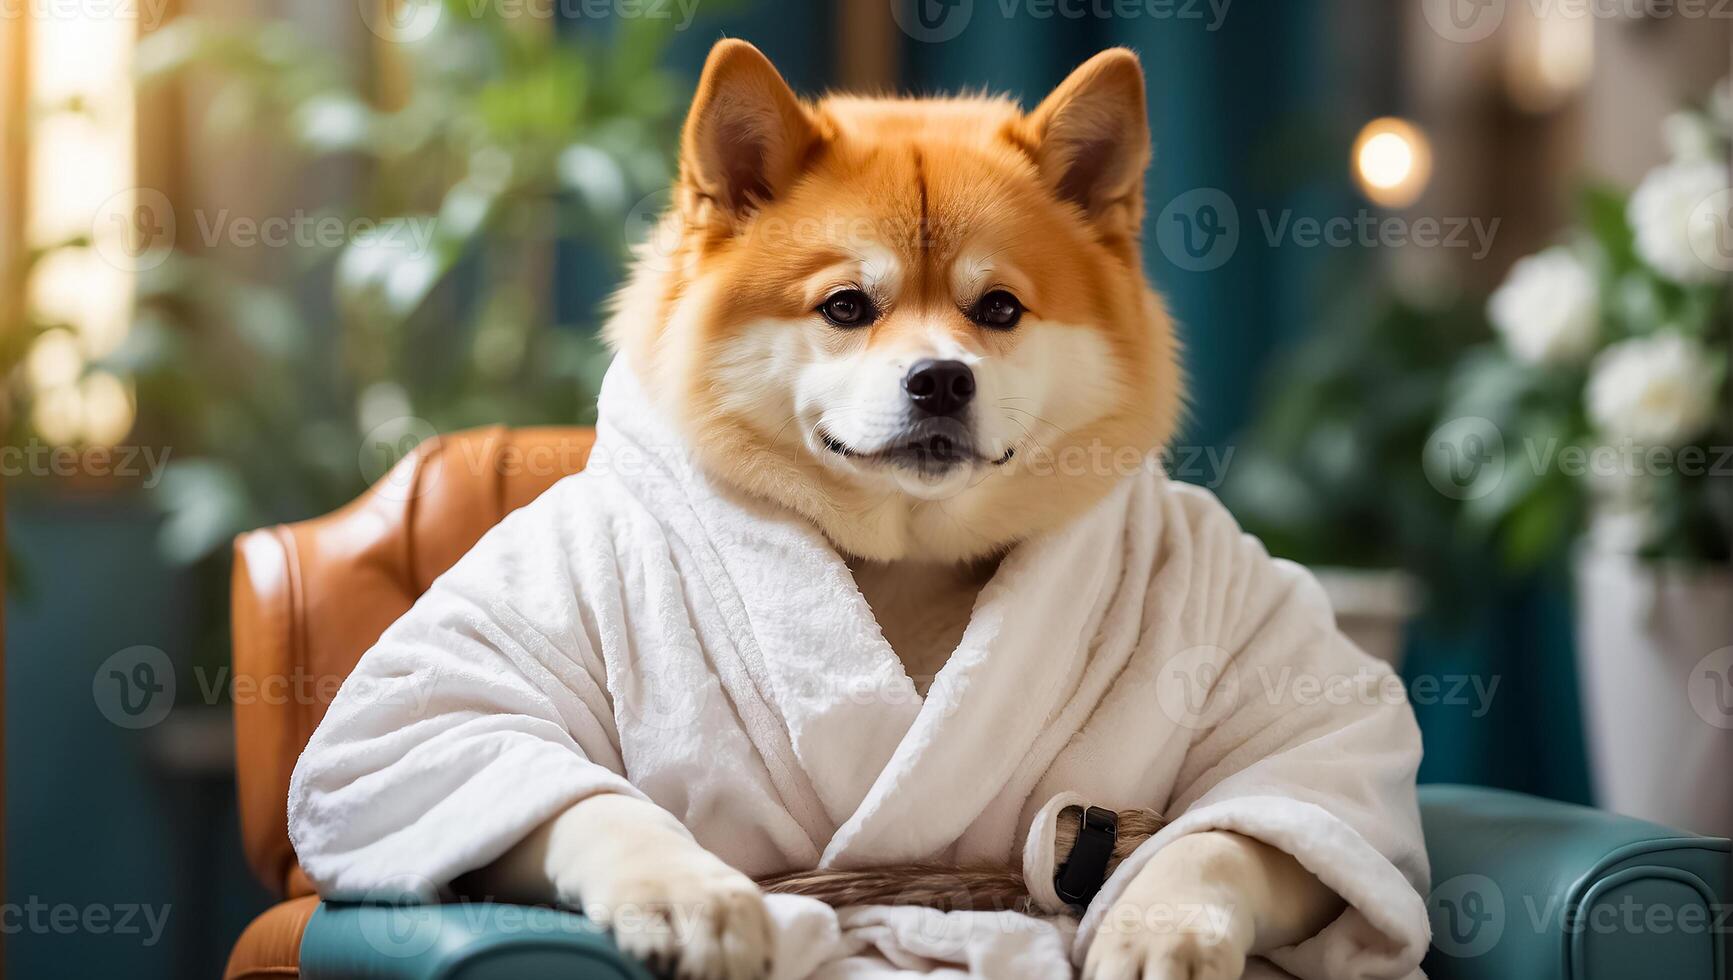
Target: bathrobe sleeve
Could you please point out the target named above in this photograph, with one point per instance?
(478, 715)
(1303, 742)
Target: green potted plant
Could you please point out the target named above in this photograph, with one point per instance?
(420, 280)
(1326, 473)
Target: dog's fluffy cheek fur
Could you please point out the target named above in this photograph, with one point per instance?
(747, 377)
(768, 386)
(1057, 378)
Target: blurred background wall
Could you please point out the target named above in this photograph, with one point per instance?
(325, 231)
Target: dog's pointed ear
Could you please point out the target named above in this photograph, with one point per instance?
(747, 134)
(1091, 138)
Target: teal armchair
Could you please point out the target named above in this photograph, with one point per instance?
(1523, 889)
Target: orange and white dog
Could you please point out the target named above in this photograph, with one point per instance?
(884, 314)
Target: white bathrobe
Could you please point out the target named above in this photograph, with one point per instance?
(639, 630)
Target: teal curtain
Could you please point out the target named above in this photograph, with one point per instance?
(1258, 109)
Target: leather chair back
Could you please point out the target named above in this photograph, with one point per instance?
(310, 598)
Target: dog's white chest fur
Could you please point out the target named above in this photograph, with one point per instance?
(922, 608)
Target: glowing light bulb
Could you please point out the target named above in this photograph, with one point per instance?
(1392, 162)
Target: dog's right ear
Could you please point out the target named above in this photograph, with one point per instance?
(1092, 139)
(746, 135)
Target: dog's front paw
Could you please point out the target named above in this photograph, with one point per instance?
(689, 915)
(1143, 941)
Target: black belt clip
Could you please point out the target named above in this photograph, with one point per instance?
(1085, 868)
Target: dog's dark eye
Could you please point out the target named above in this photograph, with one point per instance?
(849, 308)
(998, 309)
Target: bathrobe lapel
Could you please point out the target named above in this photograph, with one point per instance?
(1015, 669)
(793, 638)
(883, 775)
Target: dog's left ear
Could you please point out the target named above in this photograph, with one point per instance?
(746, 134)
(1091, 138)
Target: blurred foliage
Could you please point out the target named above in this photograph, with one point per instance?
(425, 281)
(1329, 473)
(1539, 508)
(285, 390)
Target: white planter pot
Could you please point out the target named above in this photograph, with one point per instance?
(1372, 606)
(1655, 655)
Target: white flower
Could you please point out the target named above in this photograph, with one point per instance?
(1691, 137)
(1548, 310)
(1654, 390)
(1661, 213)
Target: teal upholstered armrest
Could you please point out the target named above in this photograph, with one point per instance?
(1522, 889)
(1530, 889)
(467, 941)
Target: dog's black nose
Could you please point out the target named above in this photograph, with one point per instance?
(940, 387)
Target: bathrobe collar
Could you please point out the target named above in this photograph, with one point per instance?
(873, 772)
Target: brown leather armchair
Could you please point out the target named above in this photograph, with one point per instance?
(310, 598)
